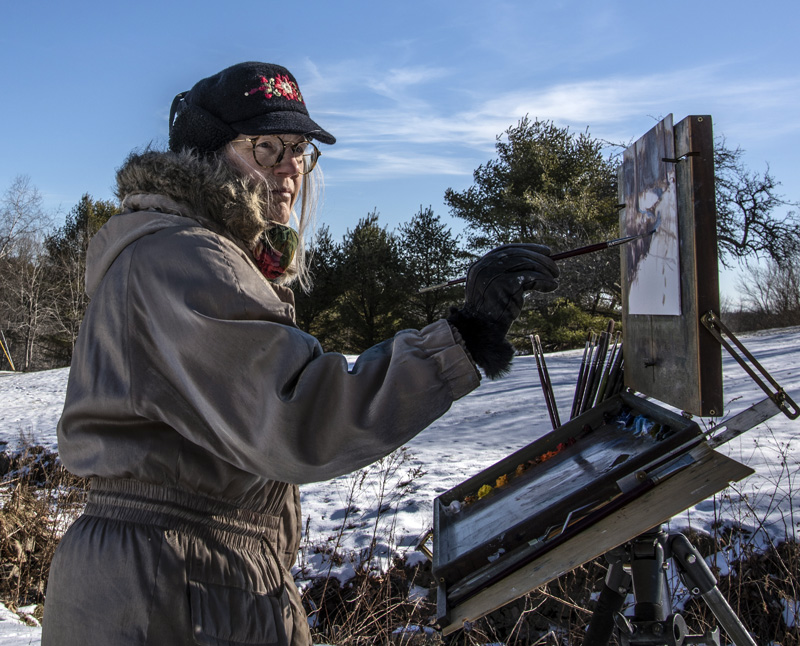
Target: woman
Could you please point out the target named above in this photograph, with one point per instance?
(196, 405)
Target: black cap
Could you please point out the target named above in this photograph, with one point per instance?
(247, 98)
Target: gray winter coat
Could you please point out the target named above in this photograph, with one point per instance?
(198, 406)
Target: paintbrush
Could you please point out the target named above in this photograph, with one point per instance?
(597, 246)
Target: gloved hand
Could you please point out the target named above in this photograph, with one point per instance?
(497, 282)
(496, 286)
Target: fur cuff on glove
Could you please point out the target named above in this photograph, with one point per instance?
(485, 341)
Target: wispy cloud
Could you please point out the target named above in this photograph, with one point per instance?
(396, 83)
(365, 164)
(423, 132)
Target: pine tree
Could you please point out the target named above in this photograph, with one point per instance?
(549, 186)
(316, 309)
(432, 256)
(374, 289)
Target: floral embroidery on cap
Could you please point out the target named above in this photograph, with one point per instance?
(281, 85)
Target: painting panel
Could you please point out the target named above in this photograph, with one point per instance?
(651, 203)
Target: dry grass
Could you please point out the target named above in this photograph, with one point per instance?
(372, 608)
(389, 602)
(39, 500)
(760, 586)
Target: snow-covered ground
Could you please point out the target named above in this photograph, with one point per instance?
(484, 427)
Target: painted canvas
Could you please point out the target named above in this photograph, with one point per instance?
(653, 262)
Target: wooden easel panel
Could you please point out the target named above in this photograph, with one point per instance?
(709, 475)
(674, 359)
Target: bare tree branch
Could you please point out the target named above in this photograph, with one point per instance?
(21, 214)
(747, 225)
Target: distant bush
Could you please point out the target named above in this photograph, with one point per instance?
(561, 325)
(744, 321)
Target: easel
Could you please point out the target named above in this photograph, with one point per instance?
(599, 486)
(627, 531)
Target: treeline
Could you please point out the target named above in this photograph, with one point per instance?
(546, 185)
(42, 297)
(367, 287)
(769, 296)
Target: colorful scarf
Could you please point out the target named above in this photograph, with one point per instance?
(275, 251)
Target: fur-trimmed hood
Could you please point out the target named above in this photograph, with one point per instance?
(159, 190)
(205, 188)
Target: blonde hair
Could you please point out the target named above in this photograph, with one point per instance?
(304, 221)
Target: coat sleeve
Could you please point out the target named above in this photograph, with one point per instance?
(215, 355)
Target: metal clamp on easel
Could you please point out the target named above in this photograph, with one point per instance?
(777, 394)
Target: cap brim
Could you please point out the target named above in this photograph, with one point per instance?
(284, 122)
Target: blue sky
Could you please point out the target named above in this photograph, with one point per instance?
(415, 92)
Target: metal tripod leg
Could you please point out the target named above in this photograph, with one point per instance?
(612, 597)
(653, 623)
(699, 579)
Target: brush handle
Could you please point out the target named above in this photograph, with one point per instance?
(597, 246)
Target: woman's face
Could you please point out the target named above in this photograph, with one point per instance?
(284, 179)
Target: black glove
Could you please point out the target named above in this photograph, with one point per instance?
(496, 286)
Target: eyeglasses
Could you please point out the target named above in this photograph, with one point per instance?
(268, 151)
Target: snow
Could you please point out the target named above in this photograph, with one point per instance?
(791, 609)
(386, 509)
(15, 632)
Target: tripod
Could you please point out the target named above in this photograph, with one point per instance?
(642, 563)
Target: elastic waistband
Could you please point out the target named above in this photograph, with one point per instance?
(194, 514)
